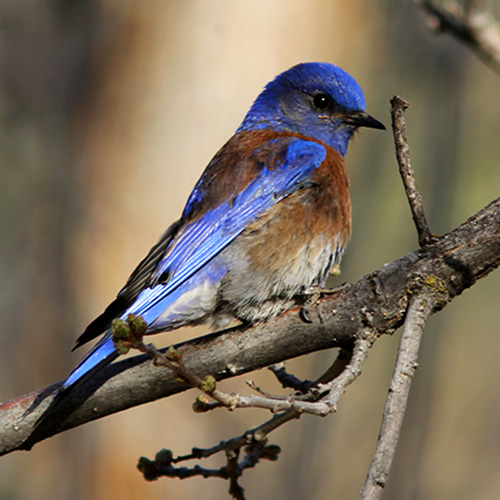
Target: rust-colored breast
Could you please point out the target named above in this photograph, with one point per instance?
(291, 247)
(310, 226)
(331, 198)
(326, 204)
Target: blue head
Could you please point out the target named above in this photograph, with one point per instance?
(318, 100)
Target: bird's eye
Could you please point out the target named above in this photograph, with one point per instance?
(322, 101)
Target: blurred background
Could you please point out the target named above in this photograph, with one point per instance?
(109, 112)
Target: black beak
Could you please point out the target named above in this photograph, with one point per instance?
(362, 119)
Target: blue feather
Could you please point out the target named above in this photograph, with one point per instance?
(200, 241)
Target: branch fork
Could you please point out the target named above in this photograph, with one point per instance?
(352, 318)
(318, 398)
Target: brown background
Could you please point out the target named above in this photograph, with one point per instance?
(110, 111)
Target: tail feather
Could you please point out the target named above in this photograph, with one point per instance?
(103, 353)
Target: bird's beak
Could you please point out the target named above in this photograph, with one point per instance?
(362, 119)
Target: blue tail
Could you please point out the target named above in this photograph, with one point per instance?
(101, 355)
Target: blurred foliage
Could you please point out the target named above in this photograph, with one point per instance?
(110, 111)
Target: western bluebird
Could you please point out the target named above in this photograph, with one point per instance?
(268, 219)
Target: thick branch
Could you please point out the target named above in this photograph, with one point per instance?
(378, 302)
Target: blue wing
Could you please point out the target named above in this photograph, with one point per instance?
(197, 242)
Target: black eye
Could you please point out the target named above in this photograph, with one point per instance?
(322, 101)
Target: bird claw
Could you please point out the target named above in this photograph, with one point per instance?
(304, 315)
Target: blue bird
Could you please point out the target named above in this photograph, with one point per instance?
(268, 219)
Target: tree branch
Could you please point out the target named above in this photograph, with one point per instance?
(254, 440)
(398, 107)
(472, 25)
(421, 305)
(377, 303)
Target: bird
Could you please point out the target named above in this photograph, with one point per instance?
(268, 220)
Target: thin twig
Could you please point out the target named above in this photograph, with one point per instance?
(255, 441)
(258, 433)
(234, 472)
(176, 364)
(398, 107)
(320, 400)
(420, 308)
(288, 380)
(344, 357)
(352, 371)
(164, 465)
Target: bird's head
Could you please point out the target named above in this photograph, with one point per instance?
(318, 100)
